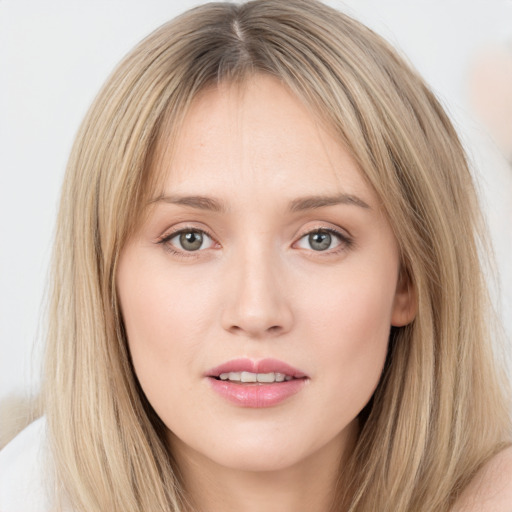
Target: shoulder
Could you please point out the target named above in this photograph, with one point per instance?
(491, 488)
(23, 471)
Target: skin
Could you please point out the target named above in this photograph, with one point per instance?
(258, 289)
(491, 488)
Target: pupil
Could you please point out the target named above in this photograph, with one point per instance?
(191, 241)
(320, 241)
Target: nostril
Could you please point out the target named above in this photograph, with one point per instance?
(256, 318)
(273, 330)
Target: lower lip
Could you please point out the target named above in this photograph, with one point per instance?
(257, 395)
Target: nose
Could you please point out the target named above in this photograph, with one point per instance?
(258, 305)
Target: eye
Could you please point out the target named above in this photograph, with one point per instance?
(188, 240)
(322, 240)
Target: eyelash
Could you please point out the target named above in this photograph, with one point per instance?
(165, 241)
(345, 242)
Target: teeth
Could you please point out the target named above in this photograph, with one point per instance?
(255, 377)
(266, 377)
(248, 377)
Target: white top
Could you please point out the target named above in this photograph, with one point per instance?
(22, 471)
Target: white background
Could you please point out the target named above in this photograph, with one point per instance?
(54, 56)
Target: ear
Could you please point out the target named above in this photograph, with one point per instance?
(405, 304)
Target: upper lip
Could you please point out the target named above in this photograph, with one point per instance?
(260, 366)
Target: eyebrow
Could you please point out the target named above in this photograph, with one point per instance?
(297, 205)
(313, 202)
(199, 202)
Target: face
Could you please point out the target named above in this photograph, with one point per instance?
(266, 258)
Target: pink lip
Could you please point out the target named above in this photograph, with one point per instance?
(256, 395)
(261, 366)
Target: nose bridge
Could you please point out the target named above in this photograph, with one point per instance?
(259, 303)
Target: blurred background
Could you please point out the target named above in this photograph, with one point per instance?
(55, 54)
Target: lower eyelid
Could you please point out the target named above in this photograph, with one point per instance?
(166, 240)
(344, 241)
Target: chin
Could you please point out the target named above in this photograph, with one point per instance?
(260, 460)
(263, 453)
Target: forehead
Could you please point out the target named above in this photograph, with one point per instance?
(240, 139)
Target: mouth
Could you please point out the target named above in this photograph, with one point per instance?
(256, 384)
(247, 371)
(252, 378)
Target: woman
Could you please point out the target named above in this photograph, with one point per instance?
(266, 288)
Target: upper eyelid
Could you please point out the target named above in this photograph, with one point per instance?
(336, 231)
(164, 240)
(343, 239)
(331, 231)
(168, 235)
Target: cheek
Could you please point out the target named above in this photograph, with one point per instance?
(351, 325)
(157, 303)
(165, 321)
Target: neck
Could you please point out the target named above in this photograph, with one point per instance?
(310, 484)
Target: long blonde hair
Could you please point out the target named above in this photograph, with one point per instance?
(440, 410)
